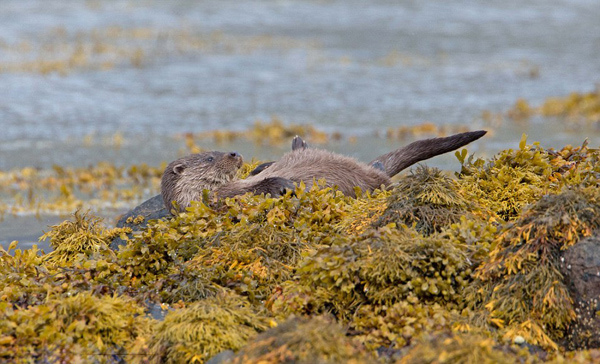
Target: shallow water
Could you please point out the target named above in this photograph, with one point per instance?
(152, 70)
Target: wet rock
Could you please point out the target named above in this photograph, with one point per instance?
(137, 219)
(156, 311)
(222, 357)
(580, 265)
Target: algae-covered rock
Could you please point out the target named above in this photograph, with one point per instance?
(137, 219)
(205, 328)
(521, 286)
(81, 328)
(428, 199)
(303, 341)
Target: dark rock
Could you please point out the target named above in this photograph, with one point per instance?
(152, 209)
(222, 357)
(156, 311)
(580, 265)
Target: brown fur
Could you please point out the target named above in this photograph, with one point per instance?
(185, 178)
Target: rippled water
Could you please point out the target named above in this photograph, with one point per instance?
(350, 66)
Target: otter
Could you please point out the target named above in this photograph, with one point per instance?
(185, 178)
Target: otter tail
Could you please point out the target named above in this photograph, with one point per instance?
(392, 163)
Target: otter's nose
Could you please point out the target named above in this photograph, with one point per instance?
(234, 154)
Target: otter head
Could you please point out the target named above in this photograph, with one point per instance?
(184, 179)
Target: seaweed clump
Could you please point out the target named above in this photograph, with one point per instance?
(305, 340)
(84, 236)
(520, 287)
(81, 328)
(388, 285)
(510, 181)
(428, 199)
(383, 267)
(249, 244)
(516, 178)
(394, 326)
(575, 108)
(198, 332)
(470, 348)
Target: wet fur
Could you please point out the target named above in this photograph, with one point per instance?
(185, 178)
(308, 165)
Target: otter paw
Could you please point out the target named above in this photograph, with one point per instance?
(260, 168)
(276, 186)
(286, 185)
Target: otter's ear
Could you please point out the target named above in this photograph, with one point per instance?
(178, 168)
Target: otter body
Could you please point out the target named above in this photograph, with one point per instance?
(184, 179)
(309, 165)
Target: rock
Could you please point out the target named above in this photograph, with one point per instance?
(580, 265)
(156, 311)
(151, 209)
(222, 357)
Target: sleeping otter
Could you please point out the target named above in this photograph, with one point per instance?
(184, 179)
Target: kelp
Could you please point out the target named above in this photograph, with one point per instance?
(510, 181)
(476, 235)
(22, 276)
(63, 190)
(272, 132)
(424, 129)
(201, 330)
(303, 340)
(62, 51)
(520, 288)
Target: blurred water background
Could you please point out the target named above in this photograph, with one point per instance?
(75, 75)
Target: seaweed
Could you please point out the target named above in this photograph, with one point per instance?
(71, 329)
(436, 269)
(382, 266)
(394, 326)
(447, 347)
(303, 340)
(83, 236)
(520, 287)
(428, 199)
(203, 329)
(574, 108)
(510, 181)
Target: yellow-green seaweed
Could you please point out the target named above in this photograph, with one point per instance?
(303, 340)
(81, 328)
(203, 329)
(428, 199)
(519, 288)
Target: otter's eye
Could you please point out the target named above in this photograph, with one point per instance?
(210, 159)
